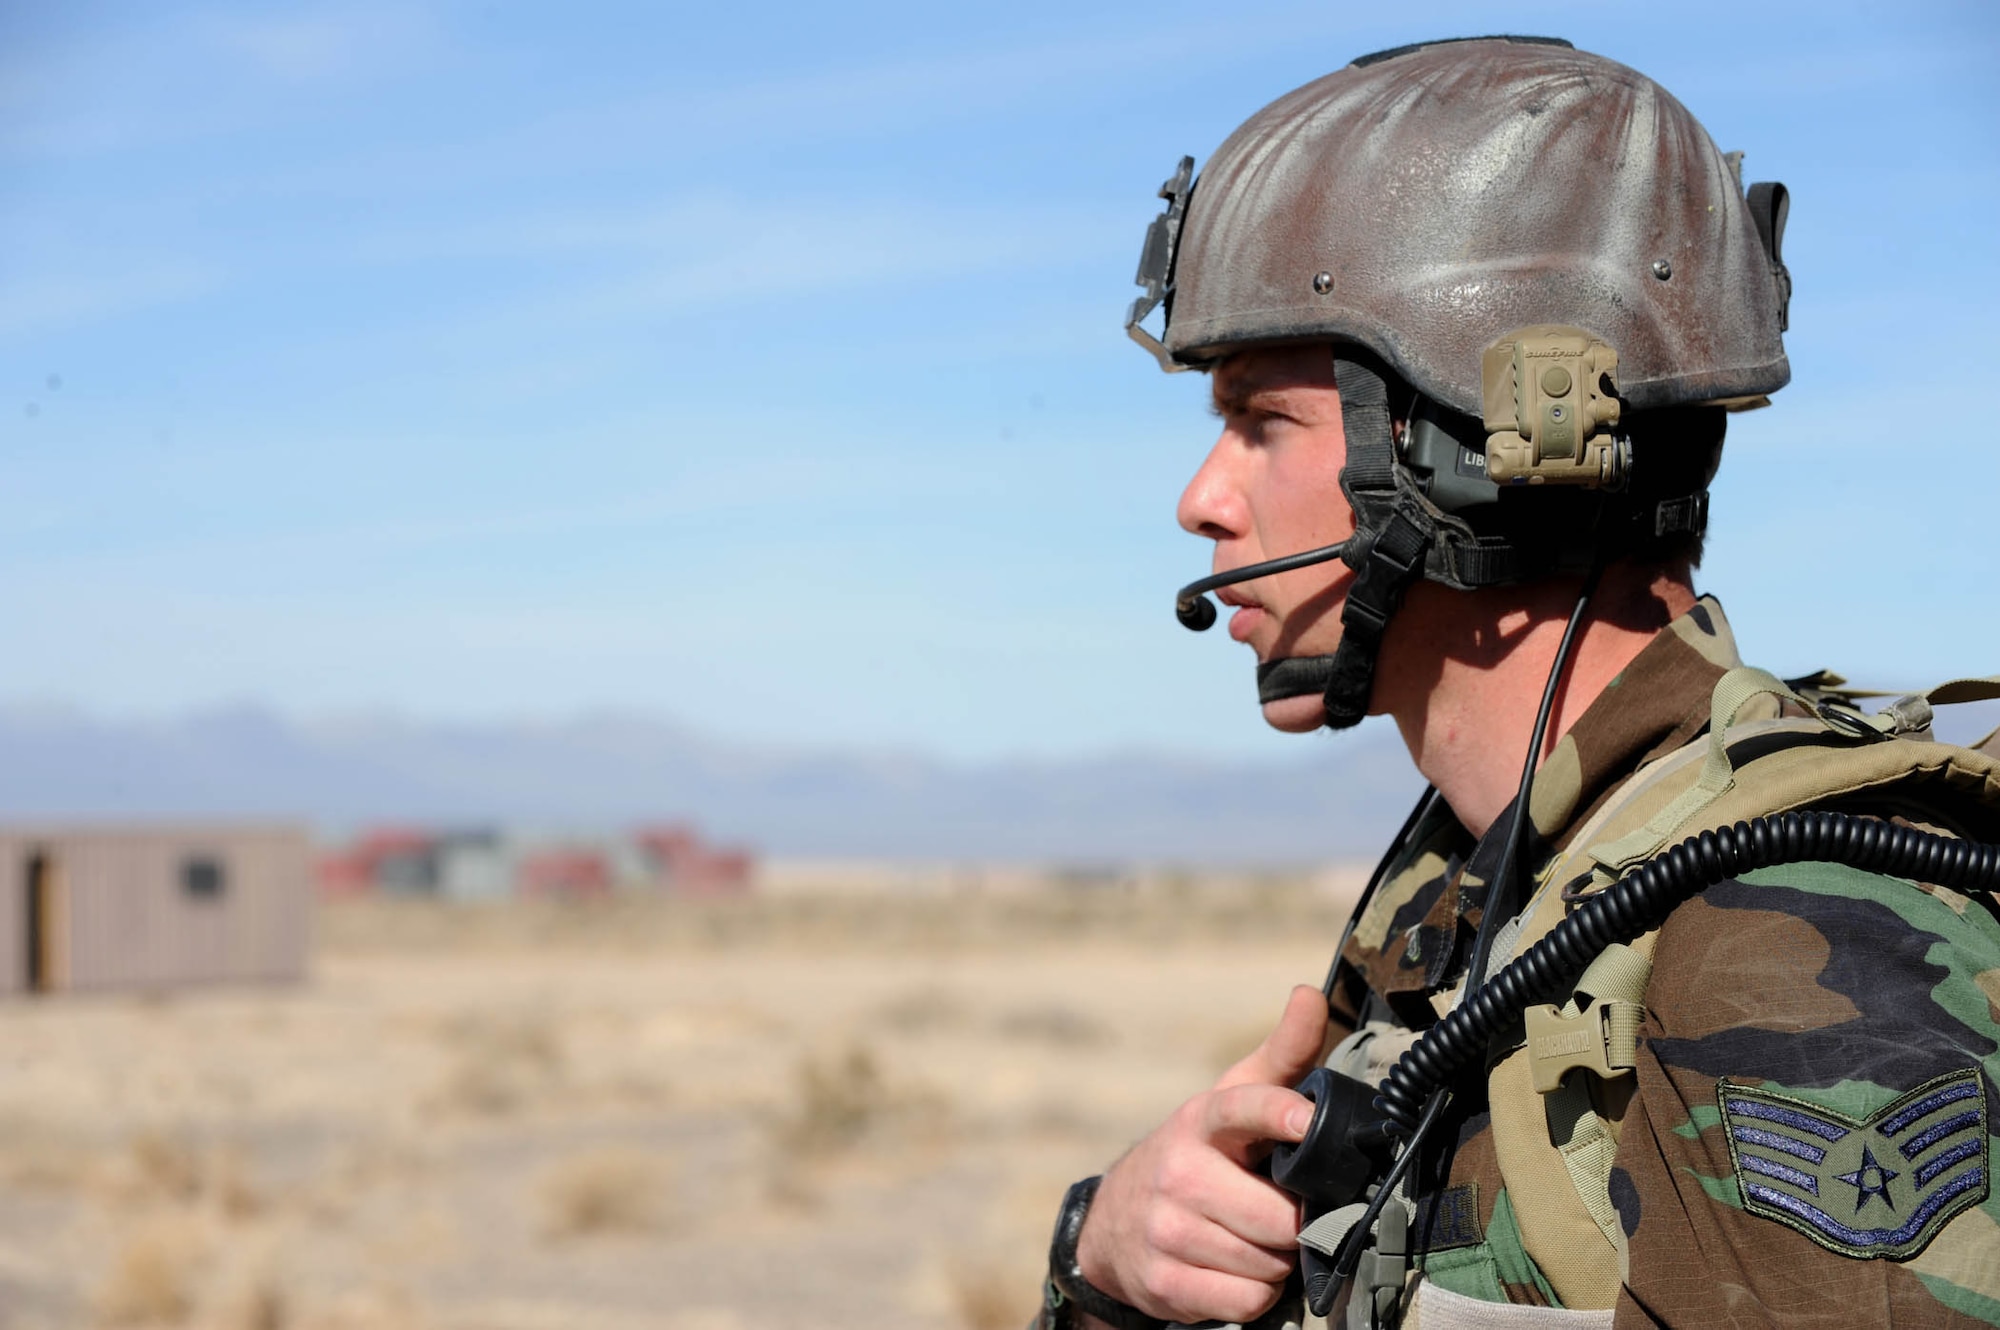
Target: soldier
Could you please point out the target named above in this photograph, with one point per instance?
(1474, 315)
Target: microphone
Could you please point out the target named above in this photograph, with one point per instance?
(1197, 612)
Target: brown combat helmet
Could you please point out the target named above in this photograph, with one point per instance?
(1425, 201)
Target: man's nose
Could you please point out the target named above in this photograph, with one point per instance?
(1212, 504)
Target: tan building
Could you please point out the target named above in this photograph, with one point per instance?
(84, 907)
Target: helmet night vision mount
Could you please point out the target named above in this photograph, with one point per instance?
(1551, 399)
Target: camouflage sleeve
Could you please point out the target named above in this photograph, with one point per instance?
(1808, 1143)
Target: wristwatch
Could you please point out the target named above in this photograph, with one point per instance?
(1066, 1293)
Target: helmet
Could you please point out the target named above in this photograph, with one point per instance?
(1425, 201)
(1475, 223)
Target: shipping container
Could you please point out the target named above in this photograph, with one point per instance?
(86, 908)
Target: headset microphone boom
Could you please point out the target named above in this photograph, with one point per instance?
(1197, 612)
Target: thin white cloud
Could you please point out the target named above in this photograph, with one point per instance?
(179, 78)
(669, 260)
(824, 104)
(322, 44)
(1900, 60)
(32, 304)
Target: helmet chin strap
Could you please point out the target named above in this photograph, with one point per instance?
(1293, 676)
(1391, 537)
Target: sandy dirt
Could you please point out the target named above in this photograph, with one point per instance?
(822, 1113)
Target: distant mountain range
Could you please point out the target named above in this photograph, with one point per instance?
(1340, 800)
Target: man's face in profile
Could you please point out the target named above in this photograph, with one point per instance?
(1271, 487)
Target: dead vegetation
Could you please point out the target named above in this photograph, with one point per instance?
(604, 1192)
(179, 1263)
(930, 1009)
(1153, 909)
(498, 1064)
(153, 1277)
(841, 1097)
(992, 1295)
(1053, 1023)
(863, 1111)
(845, 1108)
(162, 1170)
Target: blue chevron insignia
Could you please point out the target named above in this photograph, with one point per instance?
(1876, 1187)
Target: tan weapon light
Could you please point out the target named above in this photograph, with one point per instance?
(1551, 399)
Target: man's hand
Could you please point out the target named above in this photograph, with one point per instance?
(1181, 1227)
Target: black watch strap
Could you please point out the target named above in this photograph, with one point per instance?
(1066, 1292)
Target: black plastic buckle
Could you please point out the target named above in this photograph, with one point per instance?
(1394, 558)
(1687, 513)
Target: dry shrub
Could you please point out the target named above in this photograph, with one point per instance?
(843, 1102)
(155, 1275)
(187, 1256)
(164, 1170)
(637, 1087)
(363, 1311)
(365, 1162)
(1060, 1118)
(500, 1065)
(257, 1303)
(975, 912)
(176, 1267)
(988, 1296)
(604, 1191)
(228, 1186)
(925, 1010)
(840, 1098)
(1062, 1026)
(39, 1160)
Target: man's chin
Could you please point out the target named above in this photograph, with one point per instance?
(1296, 715)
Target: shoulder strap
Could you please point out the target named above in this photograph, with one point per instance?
(1909, 714)
(1617, 979)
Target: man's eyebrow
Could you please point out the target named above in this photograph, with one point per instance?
(1240, 397)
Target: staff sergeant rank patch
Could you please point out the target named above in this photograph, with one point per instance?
(1873, 1188)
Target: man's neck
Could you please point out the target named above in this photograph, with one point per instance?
(1463, 673)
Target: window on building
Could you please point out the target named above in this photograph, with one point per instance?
(201, 878)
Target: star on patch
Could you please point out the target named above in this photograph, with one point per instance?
(1864, 1189)
(1820, 1171)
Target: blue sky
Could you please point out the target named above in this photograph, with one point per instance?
(759, 366)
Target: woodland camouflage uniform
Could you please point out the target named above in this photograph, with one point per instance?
(1791, 1006)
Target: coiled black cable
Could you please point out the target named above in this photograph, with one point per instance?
(1643, 899)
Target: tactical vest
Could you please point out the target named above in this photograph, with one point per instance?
(1769, 749)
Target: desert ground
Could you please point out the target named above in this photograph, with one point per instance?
(826, 1110)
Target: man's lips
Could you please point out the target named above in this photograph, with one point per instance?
(1248, 614)
(1244, 622)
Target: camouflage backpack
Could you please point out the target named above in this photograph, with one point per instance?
(1558, 1096)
